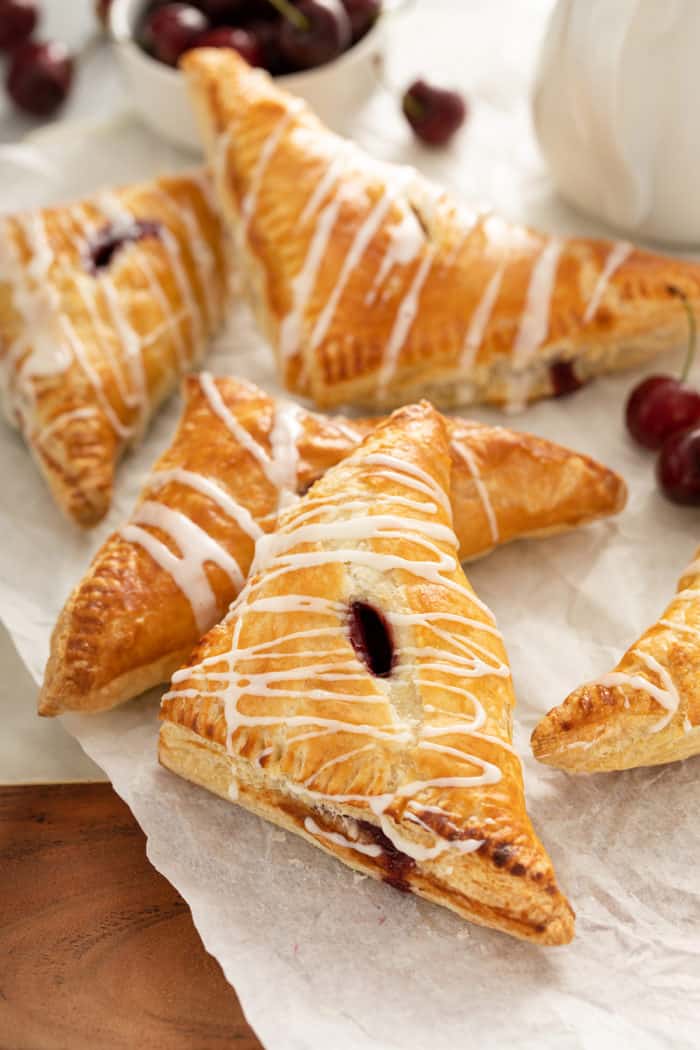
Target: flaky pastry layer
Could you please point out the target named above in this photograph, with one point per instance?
(128, 625)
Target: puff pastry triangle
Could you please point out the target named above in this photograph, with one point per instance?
(358, 693)
(375, 287)
(170, 574)
(644, 712)
(103, 305)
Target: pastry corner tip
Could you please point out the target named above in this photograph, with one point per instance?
(561, 929)
(48, 705)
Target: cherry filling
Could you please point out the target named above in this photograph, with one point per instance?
(371, 638)
(110, 240)
(398, 865)
(564, 379)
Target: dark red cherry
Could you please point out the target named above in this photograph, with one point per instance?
(18, 20)
(267, 39)
(239, 40)
(362, 14)
(318, 33)
(371, 638)
(105, 245)
(39, 77)
(434, 113)
(678, 467)
(660, 404)
(658, 407)
(564, 378)
(227, 12)
(171, 30)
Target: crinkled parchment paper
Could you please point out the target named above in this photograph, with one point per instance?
(323, 959)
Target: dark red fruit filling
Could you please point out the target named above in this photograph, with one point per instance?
(398, 865)
(371, 638)
(109, 241)
(564, 379)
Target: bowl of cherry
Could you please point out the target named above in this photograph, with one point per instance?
(322, 50)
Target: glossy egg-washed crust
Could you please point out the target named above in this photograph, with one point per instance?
(127, 626)
(508, 883)
(240, 111)
(50, 294)
(603, 727)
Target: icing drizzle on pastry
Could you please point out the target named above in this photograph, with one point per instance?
(51, 343)
(617, 255)
(280, 467)
(664, 691)
(430, 648)
(405, 223)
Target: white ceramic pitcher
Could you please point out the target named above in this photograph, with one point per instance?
(617, 112)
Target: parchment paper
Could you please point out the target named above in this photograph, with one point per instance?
(323, 959)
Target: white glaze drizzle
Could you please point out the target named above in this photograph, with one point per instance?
(534, 321)
(616, 257)
(684, 628)
(39, 347)
(267, 151)
(360, 243)
(230, 676)
(35, 298)
(479, 321)
(242, 436)
(280, 467)
(666, 694)
(467, 455)
(370, 849)
(406, 239)
(325, 184)
(534, 324)
(210, 488)
(187, 568)
(405, 316)
(60, 421)
(123, 221)
(305, 281)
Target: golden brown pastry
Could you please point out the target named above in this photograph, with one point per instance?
(375, 287)
(171, 573)
(646, 711)
(103, 305)
(358, 693)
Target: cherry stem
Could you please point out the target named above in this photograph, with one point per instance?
(289, 11)
(412, 107)
(692, 330)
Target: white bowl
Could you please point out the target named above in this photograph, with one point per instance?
(159, 94)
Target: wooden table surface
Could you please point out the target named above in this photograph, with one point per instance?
(97, 950)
